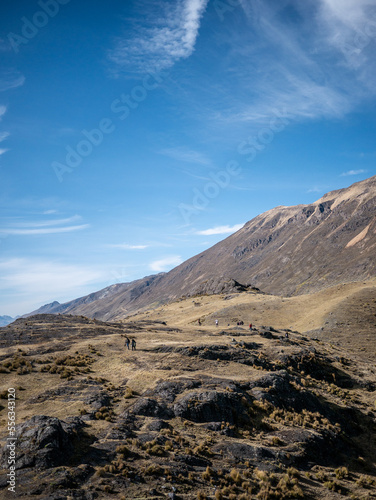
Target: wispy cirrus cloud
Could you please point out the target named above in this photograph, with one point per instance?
(166, 263)
(3, 136)
(297, 60)
(354, 172)
(220, 230)
(186, 155)
(170, 36)
(42, 227)
(127, 246)
(10, 79)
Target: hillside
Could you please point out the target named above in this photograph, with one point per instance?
(194, 412)
(286, 251)
(293, 250)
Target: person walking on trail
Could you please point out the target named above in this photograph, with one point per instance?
(127, 342)
(250, 326)
(133, 345)
(216, 322)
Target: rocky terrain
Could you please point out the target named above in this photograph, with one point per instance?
(286, 251)
(196, 411)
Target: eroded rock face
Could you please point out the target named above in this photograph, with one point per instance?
(44, 442)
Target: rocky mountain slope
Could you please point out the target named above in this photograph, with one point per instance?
(285, 251)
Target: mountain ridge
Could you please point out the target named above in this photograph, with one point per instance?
(287, 250)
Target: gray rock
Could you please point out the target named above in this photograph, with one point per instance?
(44, 441)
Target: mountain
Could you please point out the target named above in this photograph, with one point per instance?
(5, 320)
(284, 251)
(293, 250)
(106, 303)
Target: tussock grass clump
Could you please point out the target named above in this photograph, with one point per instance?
(366, 481)
(342, 472)
(17, 364)
(129, 393)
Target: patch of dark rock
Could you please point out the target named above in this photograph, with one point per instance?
(307, 447)
(119, 433)
(280, 393)
(277, 390)
(168, 390)
(223, 352)
(318, 367)
(73, 494)
(151, 408)
(72, 478)
(211, 406)
(97, 399)
(72, 389)
(147, 437)
(192, 460)
(221, 285)
(162, 348)
(243, 451)
(156, 425)
(45, 442)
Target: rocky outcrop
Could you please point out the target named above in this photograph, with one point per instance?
(45, 442)
(211, 406)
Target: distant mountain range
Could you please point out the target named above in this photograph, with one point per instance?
(6, 320)
(284, 251)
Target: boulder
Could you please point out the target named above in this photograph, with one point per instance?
(44, 442)
(211, 406)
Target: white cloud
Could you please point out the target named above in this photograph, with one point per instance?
(220, 230)
(3, 110)
(52, 226)
(48, 230)
(354, 172)
(169, 38)
(351, 13)
(350, 27)
(126, 246)
(10, 80)
(295, 59)
(29, 283)
(2, 151)
(186, 155)
(3, 136)
(166, 263)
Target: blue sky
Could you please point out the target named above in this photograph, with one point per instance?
(134, 135)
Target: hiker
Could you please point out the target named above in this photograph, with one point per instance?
(286, 335)
(216, 322)
(250, 326)
(133, 345)
(127, 342)
(199, 322)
